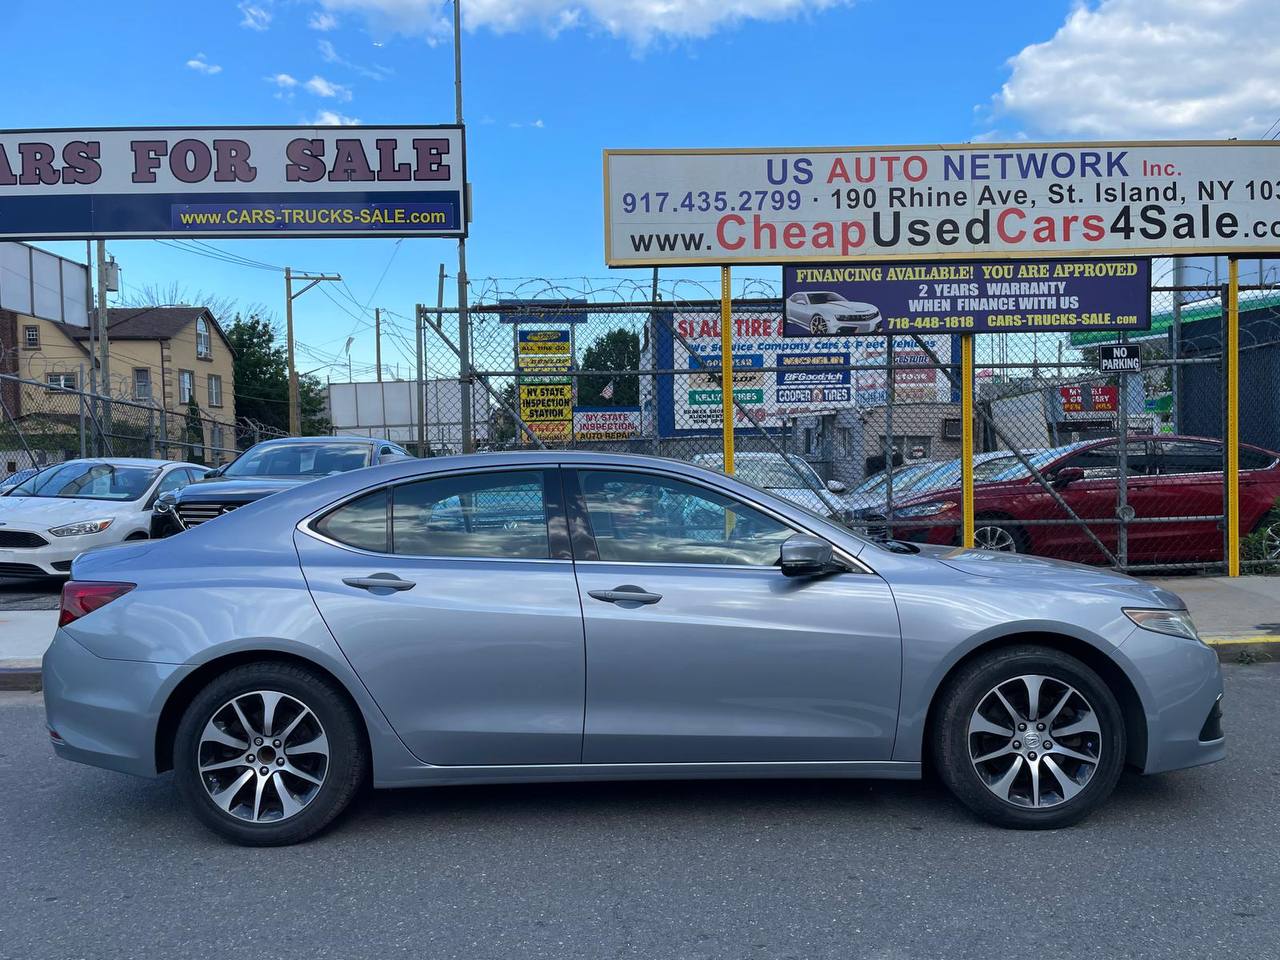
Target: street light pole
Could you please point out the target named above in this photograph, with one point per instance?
(295, 410)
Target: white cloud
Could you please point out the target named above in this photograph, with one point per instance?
(1149, 68)
(283, 80)
(200, 64)
(537, 124)
(325, 88)
(254, 16)
(639, 20)
(323, 22)
(331, 55)
(331, 118)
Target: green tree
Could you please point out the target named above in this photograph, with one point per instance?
(502, 425)
(619, 351)
(262, 379)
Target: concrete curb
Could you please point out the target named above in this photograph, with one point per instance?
(1246, 648)
(21, 676)
(25, 675)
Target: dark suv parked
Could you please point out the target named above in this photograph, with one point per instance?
(262, 470)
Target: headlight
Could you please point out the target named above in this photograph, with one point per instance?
(82, 528)
(925, 509)
(164, 503)
(1175, 623)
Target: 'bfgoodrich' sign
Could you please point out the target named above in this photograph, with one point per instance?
(233, 181)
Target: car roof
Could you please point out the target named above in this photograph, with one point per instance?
(289, 441)
(130, 462)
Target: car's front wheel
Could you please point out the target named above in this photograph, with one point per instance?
(818, 325)
(269, 754)
(1029, 737)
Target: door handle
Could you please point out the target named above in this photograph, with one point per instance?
(627, 593)
(379, 581)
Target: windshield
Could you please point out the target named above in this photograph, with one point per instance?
(89, 481)
(300, 460)
(768, 473)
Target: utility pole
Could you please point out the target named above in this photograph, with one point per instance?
(377, 340)
(464, 323)
(103, 344)
(295, 410)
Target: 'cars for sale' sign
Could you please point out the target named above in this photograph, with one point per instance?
(970, 201)
(233, 182)
(1020, 296)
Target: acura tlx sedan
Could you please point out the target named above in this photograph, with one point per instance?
(570, 616)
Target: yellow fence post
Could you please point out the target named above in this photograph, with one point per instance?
(726, 367)
(966, 438)
(1231, 357)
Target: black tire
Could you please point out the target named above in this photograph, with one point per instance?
(962, 695)
(347, 760)
(1021, 543)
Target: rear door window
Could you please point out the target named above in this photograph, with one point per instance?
(499, 515)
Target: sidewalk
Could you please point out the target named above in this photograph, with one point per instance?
(1239, 617)
(1233, 614)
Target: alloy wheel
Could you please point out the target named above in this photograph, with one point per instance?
(1271, 542)
(1034, 741)
(995, 538)
(818, 326)
(263, 756)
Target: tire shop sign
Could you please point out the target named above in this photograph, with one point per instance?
(969, 201)
(233, 182)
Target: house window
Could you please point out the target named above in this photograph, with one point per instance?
(61, 381)
(142, 383)
(31, 337)
(204, 348)
(215, 391)
(186, 386)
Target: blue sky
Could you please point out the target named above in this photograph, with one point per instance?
(549, 84)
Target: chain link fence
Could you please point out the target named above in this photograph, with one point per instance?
(1120, 470)
(42, 424)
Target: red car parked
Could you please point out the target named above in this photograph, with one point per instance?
(1168, 476)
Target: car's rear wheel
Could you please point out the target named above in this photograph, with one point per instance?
(269, 754)
(1029, 737)
(996, 533)
(818, 325)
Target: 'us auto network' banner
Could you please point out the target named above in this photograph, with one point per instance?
(233, 182)
(974, 201)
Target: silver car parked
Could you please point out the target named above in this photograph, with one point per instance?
(570, 616)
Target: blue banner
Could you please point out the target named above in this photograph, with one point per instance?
(1014, 296)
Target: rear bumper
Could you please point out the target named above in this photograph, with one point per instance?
(104, 712)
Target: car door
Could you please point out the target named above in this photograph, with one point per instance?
(1091, 498)
(454, 599)
(1190, 484)
(719, 657)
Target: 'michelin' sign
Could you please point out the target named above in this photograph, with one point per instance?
(233, 181)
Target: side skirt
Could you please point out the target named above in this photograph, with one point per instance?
(563, 773)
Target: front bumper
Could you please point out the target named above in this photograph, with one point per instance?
(51, 560)
(1183, 681)
(105, 712)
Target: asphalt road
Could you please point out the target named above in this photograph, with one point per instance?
(96, 864)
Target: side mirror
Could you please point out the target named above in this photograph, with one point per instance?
(836, 486)
(1067, 475)
(215, 472)
(805, 556)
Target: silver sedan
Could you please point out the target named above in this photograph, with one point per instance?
(569, 616)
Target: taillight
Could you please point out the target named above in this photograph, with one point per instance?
(79, 598)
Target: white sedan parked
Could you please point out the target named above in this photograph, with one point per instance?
(53, 517)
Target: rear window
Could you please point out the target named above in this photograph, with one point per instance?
(1255, 459)
(361, 523)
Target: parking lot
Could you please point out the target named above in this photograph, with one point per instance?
(1185, 864)
(29, 594)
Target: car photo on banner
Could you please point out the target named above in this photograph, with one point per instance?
(822, 312)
